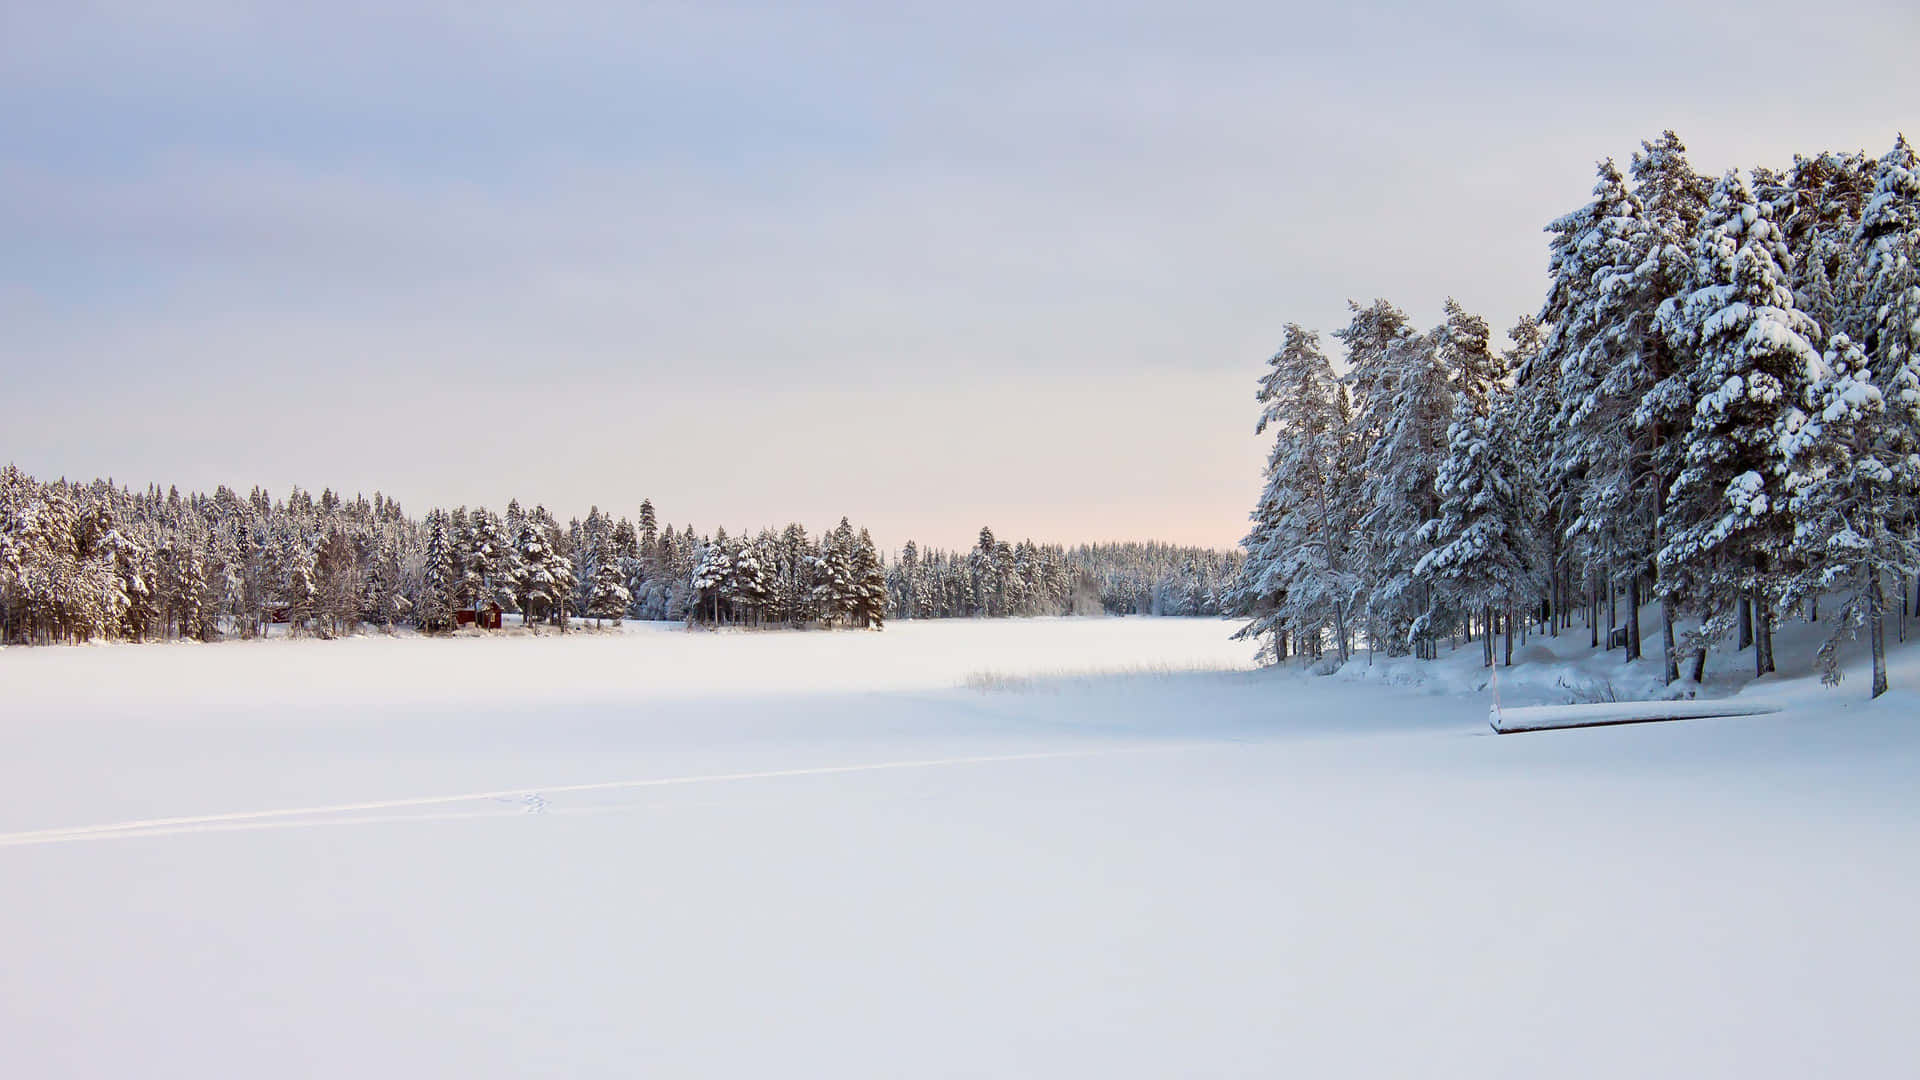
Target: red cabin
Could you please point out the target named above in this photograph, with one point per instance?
(487, 618)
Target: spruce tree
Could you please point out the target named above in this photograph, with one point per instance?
(710, 578)
(609, 597)
(433, 601)
(833, 582)
(869, 584)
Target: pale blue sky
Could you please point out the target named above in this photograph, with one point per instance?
(929, 265)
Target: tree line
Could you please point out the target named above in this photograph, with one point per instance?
(1716, 411)
(995, 578)
(92, 561)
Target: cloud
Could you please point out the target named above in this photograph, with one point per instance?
(947, 264)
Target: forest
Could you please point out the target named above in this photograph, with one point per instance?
(90, 561)
(1716, 412)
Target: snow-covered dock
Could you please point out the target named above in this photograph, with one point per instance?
(1609, 713)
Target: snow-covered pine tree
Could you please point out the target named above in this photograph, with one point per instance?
(1598, 464)
(792, 575)
(907, 570)
(1370, 337)
(460, 541)
(1485, 556)
(833, 582)
(985, 582)
(433, 601)
(1889, 241)
(1466, 351)
(537, 584)
(1726, 526)
(1673, 199)
(296, 591)
(378, 597)
(1297, 578)
(1819, 211)
(710, 578)
(1535, 403)
(1852, 460)
(560, 570)
(1412, 409)
(609, 598)
(500, 564)
(869, 608)
(648, 530)
(680, 554)
(1260, 589)
(749, 588)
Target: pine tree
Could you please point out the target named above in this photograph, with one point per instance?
(1598, 463)
(985, 581)
(609, 597)
(565, 587)
(833, 582)
(1889, 241)
(1851, 459)
(1726, 524)
(710, 577)
(907, 569)
(1819, 213)
(433, 602)
(1674, 201)
(751, 584)
(649, 536)
(539, 588)
(869, 601)
(1413, 408)
(500, 565)
(1466, 351)
(1297, 577)
(1485, 554)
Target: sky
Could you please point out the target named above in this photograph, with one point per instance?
(930, 266)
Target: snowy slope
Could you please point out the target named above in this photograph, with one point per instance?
(951, 849)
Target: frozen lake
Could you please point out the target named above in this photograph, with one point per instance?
(1094, 848)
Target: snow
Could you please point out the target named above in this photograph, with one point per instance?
(1011, 848)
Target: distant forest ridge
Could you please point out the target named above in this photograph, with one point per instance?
(83, 561)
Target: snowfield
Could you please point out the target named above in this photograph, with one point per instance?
(1049, 848)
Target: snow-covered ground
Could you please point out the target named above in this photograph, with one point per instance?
(1093, 848)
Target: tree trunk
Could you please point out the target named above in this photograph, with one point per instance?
(1633, 617)
(1877, 629)
(1763, 629)
(1593, 614)
(1559, 603)
(1613, 606)
(1700, 664)
(1669, 658)
(1509, 617)
(1900, 585)
(1746, 624)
